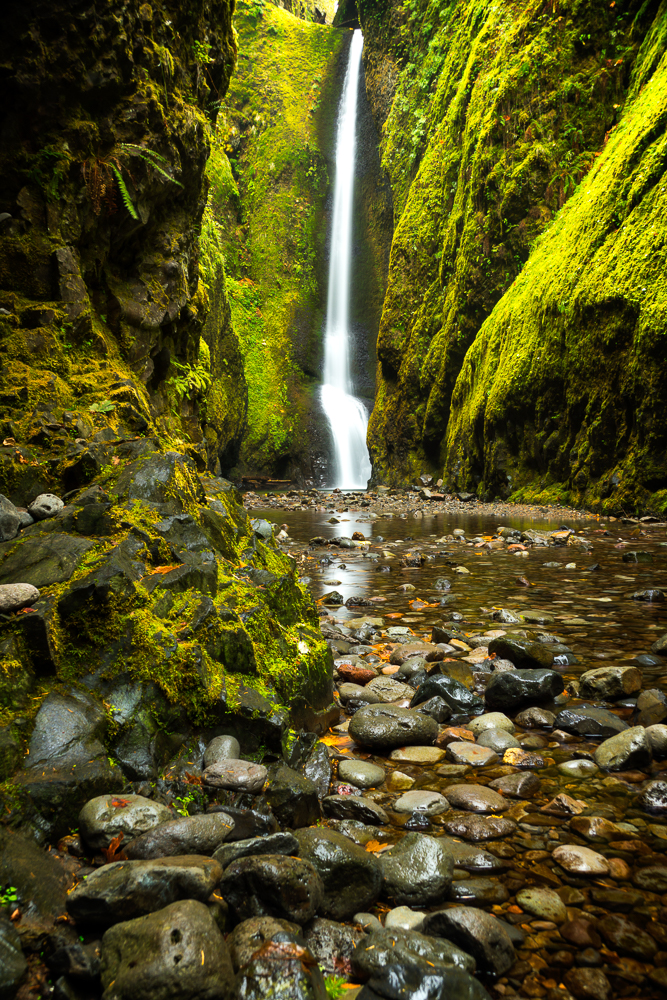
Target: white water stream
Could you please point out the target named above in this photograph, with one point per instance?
(347, 415)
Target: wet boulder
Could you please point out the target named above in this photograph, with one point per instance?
(292, 797)
(408, 949)
(405, 980)
(351, 876)
(185, 835)
(174, 954)
(273, 886)
(478, 933)
(416, 871)
(610, 682)
(249, 936)
(107, 816)
(384, 727)
(459, 698)
(283, 966)
(514, 688)
(523, 653)
(272, 843)
(587, 720)
(625, 751)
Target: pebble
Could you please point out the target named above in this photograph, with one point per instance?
(544, 903)
(382, 727)
(471, 754)
(475, 827)
(361, 773)
(578, 768)
(44, 506)
(417, 755)
(497, 740)
(221, 748)
(403, 918)
(14, 596)
(491, 720)
(399, 782)
(580, 860)
(428, 803)
(475, 798)
(237, 775)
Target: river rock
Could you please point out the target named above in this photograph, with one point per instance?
(475, 798)
(12, 962)
(351, 876)
(405, 919)
(587, 984)
(471, 858)
(20, 595)
(236, 775)
(107, 816)
(535, 718)
(186, 835)
(354, 807)
(126, 889)
(283, 966)
(249, 936)
(654, 797)
(580, 860)
(517, 786)
(396, 947)
(221, 748)
(610, 682)
(332, 944)
(586, 720)
(578, 768)
(491, 720)
(625, 751)
(523, 653)
(357, 693)
(273, 886)
(44, 506)
(427, 803)
(409, 980)
(387, 689)
(653, 878)
(437, 708)
(459, 698)
(478, 892)
(174, 954)
(273, 843)
(10, 519)
(474, 827)
(516, 687)
(543, 903)
(416, 871)
(652, 707)
(497, 740)
(476, 932)
(471, 753)
(384, 727)
(417, 755)
(292, 797)
(360, 773)
(626, 938)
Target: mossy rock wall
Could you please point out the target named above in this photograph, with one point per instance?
(562, 394)
(106, 116)
(497, 114)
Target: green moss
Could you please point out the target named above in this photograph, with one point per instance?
(564, 385)
(497, 118)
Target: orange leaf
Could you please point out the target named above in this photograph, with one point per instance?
(394, 614)
(120, 803)
(111, 853)
(375, 847)
(167, 569)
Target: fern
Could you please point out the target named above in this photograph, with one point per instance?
(150, 157)
(124, 193)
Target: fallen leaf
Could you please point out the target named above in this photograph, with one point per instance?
(111, 853)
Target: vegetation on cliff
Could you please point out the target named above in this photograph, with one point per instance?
(498, 114)
(563, 390)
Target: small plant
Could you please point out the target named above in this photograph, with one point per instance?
(335, 986)
(202, 51)
(100, 173)
(9, 897)
(104, 407)
(184, 801)
(194, 379)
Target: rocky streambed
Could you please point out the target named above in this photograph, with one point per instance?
(487, 817)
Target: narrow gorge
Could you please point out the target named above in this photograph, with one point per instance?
(333, 500)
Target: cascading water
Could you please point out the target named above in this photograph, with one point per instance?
(347, 415)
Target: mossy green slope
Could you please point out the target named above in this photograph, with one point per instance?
(273, 128)
(499, 111)
(563, 392)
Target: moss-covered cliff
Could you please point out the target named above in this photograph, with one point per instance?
(106, 109)
(564, 389)
(497, 114)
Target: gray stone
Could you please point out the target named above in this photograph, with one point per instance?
(437, 708)
(610, 682)
(523, 653)
(586, 720)
(368, 921)
(126, 889)
(187, 835)
(387, 689)
(479, 933)
(107, 816)
(580, 860)
(458, 696)
(354, 807)
(292, 797)
(497, 740)
(407, 948)
(475, 827)
(417, 755)
(543, 903)
(42, 560)
(272, 843)
(625, 750)
(578, 768)
(221, 748)
(174, 954)
(332, 944)
(403, 918)
(386, 726)
(535, 718)
(471, 858)
(12, 963)
(490, 720)
(417, 870)
(237, 775)
(358, 693)
(271, 885)
(654, 797)
(250, 935)
(478, 892)
(10, 519)
(350, 875)
(657, 738)
(16, 595)
(475, 798)
(513, 688)
(426, 803)
(517, 786)
(471, 753)
(360, 773)
(44, 506)
(652, 707)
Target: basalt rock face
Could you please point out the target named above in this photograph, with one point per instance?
(104, 336)
(496, 114)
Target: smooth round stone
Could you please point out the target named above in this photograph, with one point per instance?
(625, 750)
(498, 740)
(452, 770)
(427, 803)
(491, 720)
(357, 692)
(543, 903)
(221, 748)
(368, 921)
(387, 726)
(399, 782)
(478, 891)
(536, 718)
(418, 755)
(403, 918)
(581, 860)
(476, 828)
(360, 773)
(236, 775)
(386, 689)
(578, 768)
(475, 798)
(471, 753)
(17, 595)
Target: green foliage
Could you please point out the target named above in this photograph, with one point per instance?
(193, 380)
(124, 193)
(155, 160)
(104, 406)
(335, 986)
(9, 896)
(202, 53)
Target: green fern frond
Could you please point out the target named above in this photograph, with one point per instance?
(152, 158)
(124, 193)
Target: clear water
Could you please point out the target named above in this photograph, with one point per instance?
(347, 415)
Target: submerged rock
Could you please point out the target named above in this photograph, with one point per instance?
(416, 871)
(383, 727)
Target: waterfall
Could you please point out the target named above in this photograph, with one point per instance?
(347, 415)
